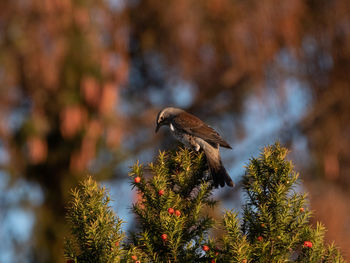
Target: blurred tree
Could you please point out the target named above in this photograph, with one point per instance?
(222, 47)
(62, 65)
(327, 125)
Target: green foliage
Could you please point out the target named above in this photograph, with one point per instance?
(274, 211)
(275, 217)
(95, 230)
(319, 252)
(236, 248)
(177, 183)
(173, 223)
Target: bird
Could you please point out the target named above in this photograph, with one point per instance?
(194, 133)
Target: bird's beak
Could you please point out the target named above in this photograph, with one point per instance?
(157, 128)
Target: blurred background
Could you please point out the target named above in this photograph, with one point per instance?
(81, 83)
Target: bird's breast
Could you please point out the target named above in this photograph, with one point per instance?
(183, 137)
(180, 136)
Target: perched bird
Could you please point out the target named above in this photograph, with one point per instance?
(193, 132)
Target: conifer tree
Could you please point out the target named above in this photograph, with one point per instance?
(171, 213)
(95, 230)
(275, 225)
(173, 224)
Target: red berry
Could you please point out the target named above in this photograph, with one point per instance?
(117, 244)
(307, 244)
(134, 257)
(161, 192)
(171, 210)
(302, 209)
(262, 225)
(213, 261)
(177, 213)
(216, 249)
(205, 248)
(137, 179)
(70, 261)
(244, 261)
(260, 238)
(164, 237)
(137, 261)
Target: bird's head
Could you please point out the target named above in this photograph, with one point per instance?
(165, 116)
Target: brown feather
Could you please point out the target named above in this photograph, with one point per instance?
(194, 126)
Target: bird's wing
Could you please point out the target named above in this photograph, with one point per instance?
(194, 126)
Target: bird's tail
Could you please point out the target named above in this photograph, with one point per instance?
(218, 171)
